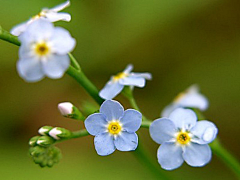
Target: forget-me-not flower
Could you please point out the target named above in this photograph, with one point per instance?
(44, 51)
(51, 15)
(183, 138)
(114, 128)
(125, 78)
(191, 98)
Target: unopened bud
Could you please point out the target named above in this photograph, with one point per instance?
(45, 130)
(67, 109)
(45, 156)
(58, 133)
(45, 141)
(33, 140)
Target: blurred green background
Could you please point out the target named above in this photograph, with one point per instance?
(179, 42)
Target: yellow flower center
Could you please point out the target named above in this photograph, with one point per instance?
(41, 14)
(42, 49)
(119, 76)
(183, 138)
(114, 127)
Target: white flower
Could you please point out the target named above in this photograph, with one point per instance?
(191, 98)
(44, 51)
(125, 78)
(51, 15)
(65, 108)
(183, 138)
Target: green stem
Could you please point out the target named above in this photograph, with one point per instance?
(128, 93)
(148, 162)
(75, 134)
(146, 124)
(74, 62)
(6, 36)
(80, 77)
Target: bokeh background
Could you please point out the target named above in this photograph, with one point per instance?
(179, 42)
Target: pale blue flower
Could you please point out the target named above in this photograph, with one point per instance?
(114, 128)
(125, 78)
(51, 15)
(190, 98)
(183, 138)
(44, 51)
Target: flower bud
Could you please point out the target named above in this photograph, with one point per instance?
(45, 156)
(45, 141)
(45, 130)
(58, 133)
(67, 109)
(33, 140)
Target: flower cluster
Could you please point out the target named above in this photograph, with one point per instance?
(44, 51)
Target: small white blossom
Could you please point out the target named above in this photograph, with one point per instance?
(65, 108)
(191, 98)
(51, 15)
(44, 51)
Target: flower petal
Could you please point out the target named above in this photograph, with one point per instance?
(110, 90)
(162, 130)
(30, 69)
(133, 81)
(131, 120)
(60, 6)
(56, 65)
(197, 155)
(170, 156)
(126, 141)
(54, 16)
(18, 29)
(36, 31)
(128, 69)
(104, 144)
(113, 110)
(183, 119)
(194, 100)
(168, 110)
(205, 132)
(62, 41)
(147, 76)
(95, 124)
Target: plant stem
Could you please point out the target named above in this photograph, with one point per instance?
(74, 62)
(75, 134)
(147, 161)
(80, 77)
(128, 93)
(146, 124)
(6, 36)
